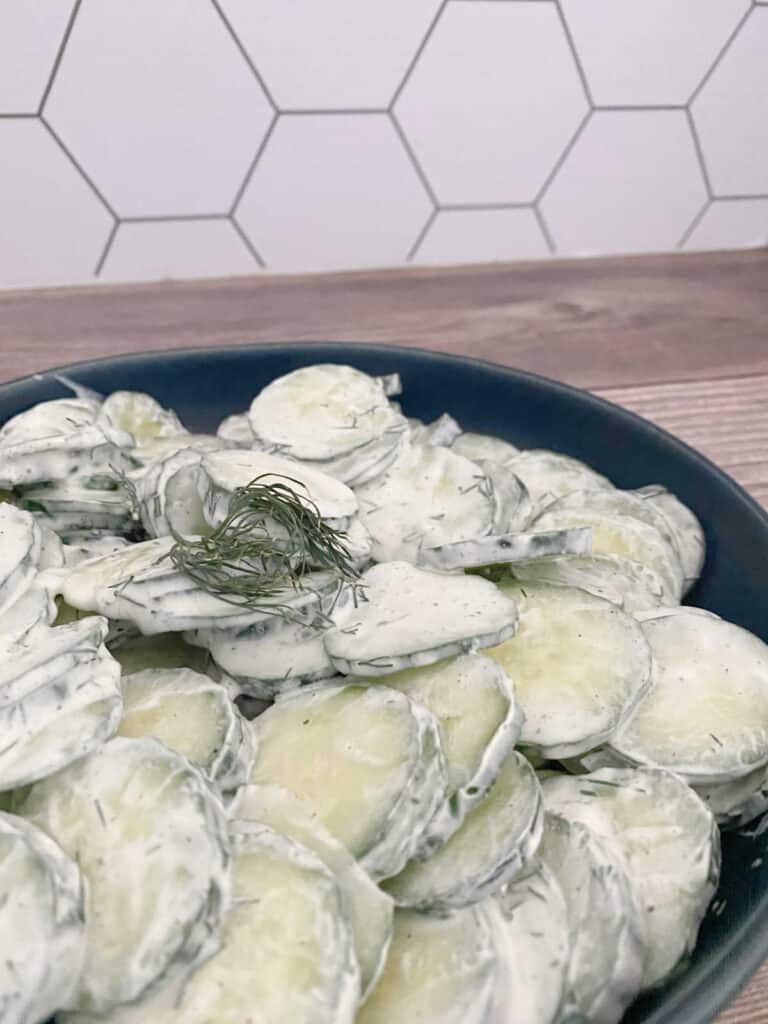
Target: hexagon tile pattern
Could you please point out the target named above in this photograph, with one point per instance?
(492, 101)
(731, 113)
(158, 105)
(168, 250)
(731, 224)
(482, 236)
(333, 191)
(631, 183)
(52, 223)
(30, 34)
(649, 52)
(332, 55)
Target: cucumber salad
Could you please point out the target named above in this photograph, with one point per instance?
(338, 716)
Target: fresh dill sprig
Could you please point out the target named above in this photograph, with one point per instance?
(264, 547)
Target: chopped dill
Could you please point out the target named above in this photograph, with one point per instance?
(264, 547)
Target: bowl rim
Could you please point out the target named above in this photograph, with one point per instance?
(700, 998)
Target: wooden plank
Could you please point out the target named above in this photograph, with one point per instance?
(595, 323)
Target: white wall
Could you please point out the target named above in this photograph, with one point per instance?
(146, 139)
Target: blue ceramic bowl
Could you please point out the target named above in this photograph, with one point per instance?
(205, 385)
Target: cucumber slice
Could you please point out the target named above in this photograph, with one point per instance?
(686, 527)
(67, 505)
(192, 715)
(532, 935)
(391, 384)
(605, 964)
(164, 650)
(626, 536)
(43, 901)
(151, 841)
(474, 704)
(285, 951)
(155, 448)
(618, 503)
(366, 758)
(496, 842)
(92, 546)
(409, 617)
(429, 496)
(440, 970)
(42, 459)
(34, 608)
(706, 715)
(236, 431)
(669, 842)
(368, 909)
(368, 461)
(441, 432)
(508, 549)
(74, 708)
(20, 549)
(224, 472)
(321, 412)
(630, 585)
(579, 665)
(511, 499)
(48, 419)
(139, 415)
(550, 475)
(167, 492)
(484, 447)
(738, 802)
(51, 549)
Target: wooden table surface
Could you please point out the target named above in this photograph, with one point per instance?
(682, 340)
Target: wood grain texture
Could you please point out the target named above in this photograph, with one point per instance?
(681, 340)
(594, 323)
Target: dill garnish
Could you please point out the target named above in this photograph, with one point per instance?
(269, 540)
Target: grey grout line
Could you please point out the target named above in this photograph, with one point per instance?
(173, 218)
(78, 166)
(544, 227)
(631, 108)
(252, 166)
(59, 54)
(411, 254)
(575, 54)
(106, 250)
(699, 152)
(461, 207)
(332, 111)
(721, 53)
(414, 159)
(247, 242)
(737, 198)
(694, 224)
(245, 55)
(19, 117)
(415, 59)
(563, 157)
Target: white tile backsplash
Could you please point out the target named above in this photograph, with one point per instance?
(189, 138)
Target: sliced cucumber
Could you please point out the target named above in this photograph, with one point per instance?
(440, 970)
(224, 472)
(474, 703)
(34, 608)
(20, 548)
(284, 952)
(164, 650)
(368, 909)
(738, 802)
(669, 842)
(236, 431)
(92, 546)
(630, 585)
(579, 665)
(441, 432)
(706, 715)
(605, 964)
(532, 935)
(368, 461)
(496, 842)
(508, 549)
(391, 384)
(51, 549)
(550, 475)
(48, 419)
(429, 496)
(68, 505)
(42, 928)
(163, 447)
(626, 536)
(150, 838)
(167, 492)
(366, 758)
(686, 527)
(139, 415)
(407, 617)
(61, 455)
(192, 715)
(483, 447)
(321, 412)
(512, 502)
